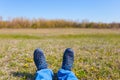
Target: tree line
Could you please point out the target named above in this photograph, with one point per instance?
(58, 23)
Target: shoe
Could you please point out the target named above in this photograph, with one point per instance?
(68, 59)
(39, 59)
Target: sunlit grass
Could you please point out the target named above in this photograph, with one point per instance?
(67, 36)
(97, 54)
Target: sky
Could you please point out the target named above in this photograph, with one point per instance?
(78, 10)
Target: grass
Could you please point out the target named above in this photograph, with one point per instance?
(97, 52)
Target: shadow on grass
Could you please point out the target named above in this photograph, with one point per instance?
(23, 75)
(28, 76)
(55, 76)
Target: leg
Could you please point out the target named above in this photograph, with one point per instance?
(65, 72)
(43, 73)
(66, 75)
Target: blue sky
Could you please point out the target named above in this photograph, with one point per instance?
(92, 10)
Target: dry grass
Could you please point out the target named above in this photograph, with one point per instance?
(56, 31)
(97, 52)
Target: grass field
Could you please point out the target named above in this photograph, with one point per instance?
(97, 52)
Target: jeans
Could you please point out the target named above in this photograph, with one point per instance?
(47, 74)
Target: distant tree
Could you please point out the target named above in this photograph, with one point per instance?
(58, 23)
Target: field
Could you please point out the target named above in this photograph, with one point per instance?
(97, 52)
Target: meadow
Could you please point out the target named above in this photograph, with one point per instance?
(97, 52)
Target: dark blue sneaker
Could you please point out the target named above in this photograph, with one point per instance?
(39, 59)
(68, 59)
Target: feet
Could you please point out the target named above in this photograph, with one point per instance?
(68, 59)
(39, 59)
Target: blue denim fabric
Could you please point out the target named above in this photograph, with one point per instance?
(66, 75)
(47, 74)
(44, 74)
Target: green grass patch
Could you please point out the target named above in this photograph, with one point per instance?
(18, 36)
(67, 36)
